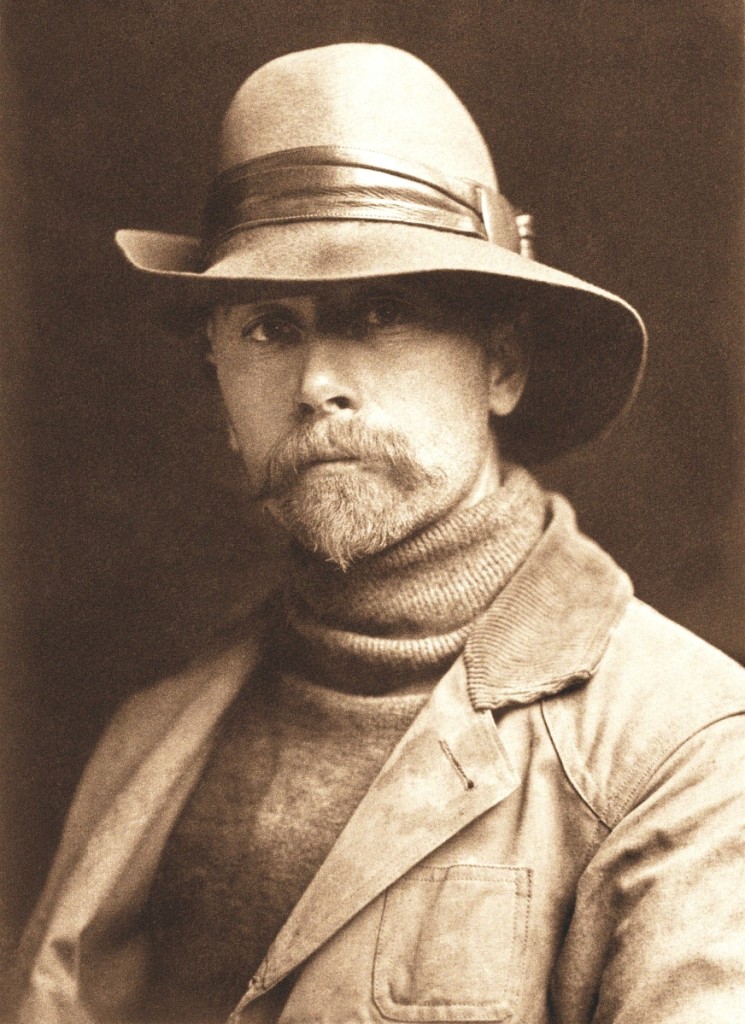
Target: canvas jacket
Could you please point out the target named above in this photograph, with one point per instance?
(558, 837)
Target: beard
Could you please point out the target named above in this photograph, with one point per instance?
(348, 512)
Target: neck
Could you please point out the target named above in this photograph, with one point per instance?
(488, 481)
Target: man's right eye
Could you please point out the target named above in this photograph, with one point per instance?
(270, 329)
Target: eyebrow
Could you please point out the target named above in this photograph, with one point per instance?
(253, 308)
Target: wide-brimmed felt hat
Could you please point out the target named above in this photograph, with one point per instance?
(358, 161)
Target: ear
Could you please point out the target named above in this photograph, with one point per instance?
(209, 330)
(233, 440)
(231, 433)
(509, 362)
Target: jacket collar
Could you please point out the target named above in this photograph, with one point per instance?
(548, 629)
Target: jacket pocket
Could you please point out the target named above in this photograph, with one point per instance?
(451, 944)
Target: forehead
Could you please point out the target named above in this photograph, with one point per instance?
(305, 297)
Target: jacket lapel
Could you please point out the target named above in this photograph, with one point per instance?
(448, 769)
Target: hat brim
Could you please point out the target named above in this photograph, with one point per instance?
(590, 345)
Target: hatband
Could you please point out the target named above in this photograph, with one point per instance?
(338, 183)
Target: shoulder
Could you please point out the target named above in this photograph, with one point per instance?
(655, 688)
(143, 719)
(661, 666)
(188, 702)
(183, 707)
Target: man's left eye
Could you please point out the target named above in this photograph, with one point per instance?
(387, 311)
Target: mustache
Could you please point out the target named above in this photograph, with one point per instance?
(330, 440)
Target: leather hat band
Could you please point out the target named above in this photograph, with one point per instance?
(335, 183)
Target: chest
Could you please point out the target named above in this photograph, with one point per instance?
(472, 932)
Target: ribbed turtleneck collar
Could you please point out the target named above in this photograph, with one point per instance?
(402, 616)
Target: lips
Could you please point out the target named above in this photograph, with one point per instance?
(326, 459)
(336, 460)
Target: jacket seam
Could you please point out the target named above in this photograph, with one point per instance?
(619, 802)
(642, 789)
(561, 757)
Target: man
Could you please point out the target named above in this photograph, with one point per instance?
(454, 771)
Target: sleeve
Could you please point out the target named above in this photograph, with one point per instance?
(658, 929)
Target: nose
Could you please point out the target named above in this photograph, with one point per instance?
(326, 383)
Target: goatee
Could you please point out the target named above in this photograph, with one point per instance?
(347, 512)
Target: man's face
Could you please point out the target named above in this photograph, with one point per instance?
(362, 410)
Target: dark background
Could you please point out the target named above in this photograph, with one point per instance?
(124, 541)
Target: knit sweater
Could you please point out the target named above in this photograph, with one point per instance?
(353, 659)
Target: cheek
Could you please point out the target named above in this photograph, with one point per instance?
(258, 417)
(445, 402)
(446, 386)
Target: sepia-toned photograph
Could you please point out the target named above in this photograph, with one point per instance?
(372, 530)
